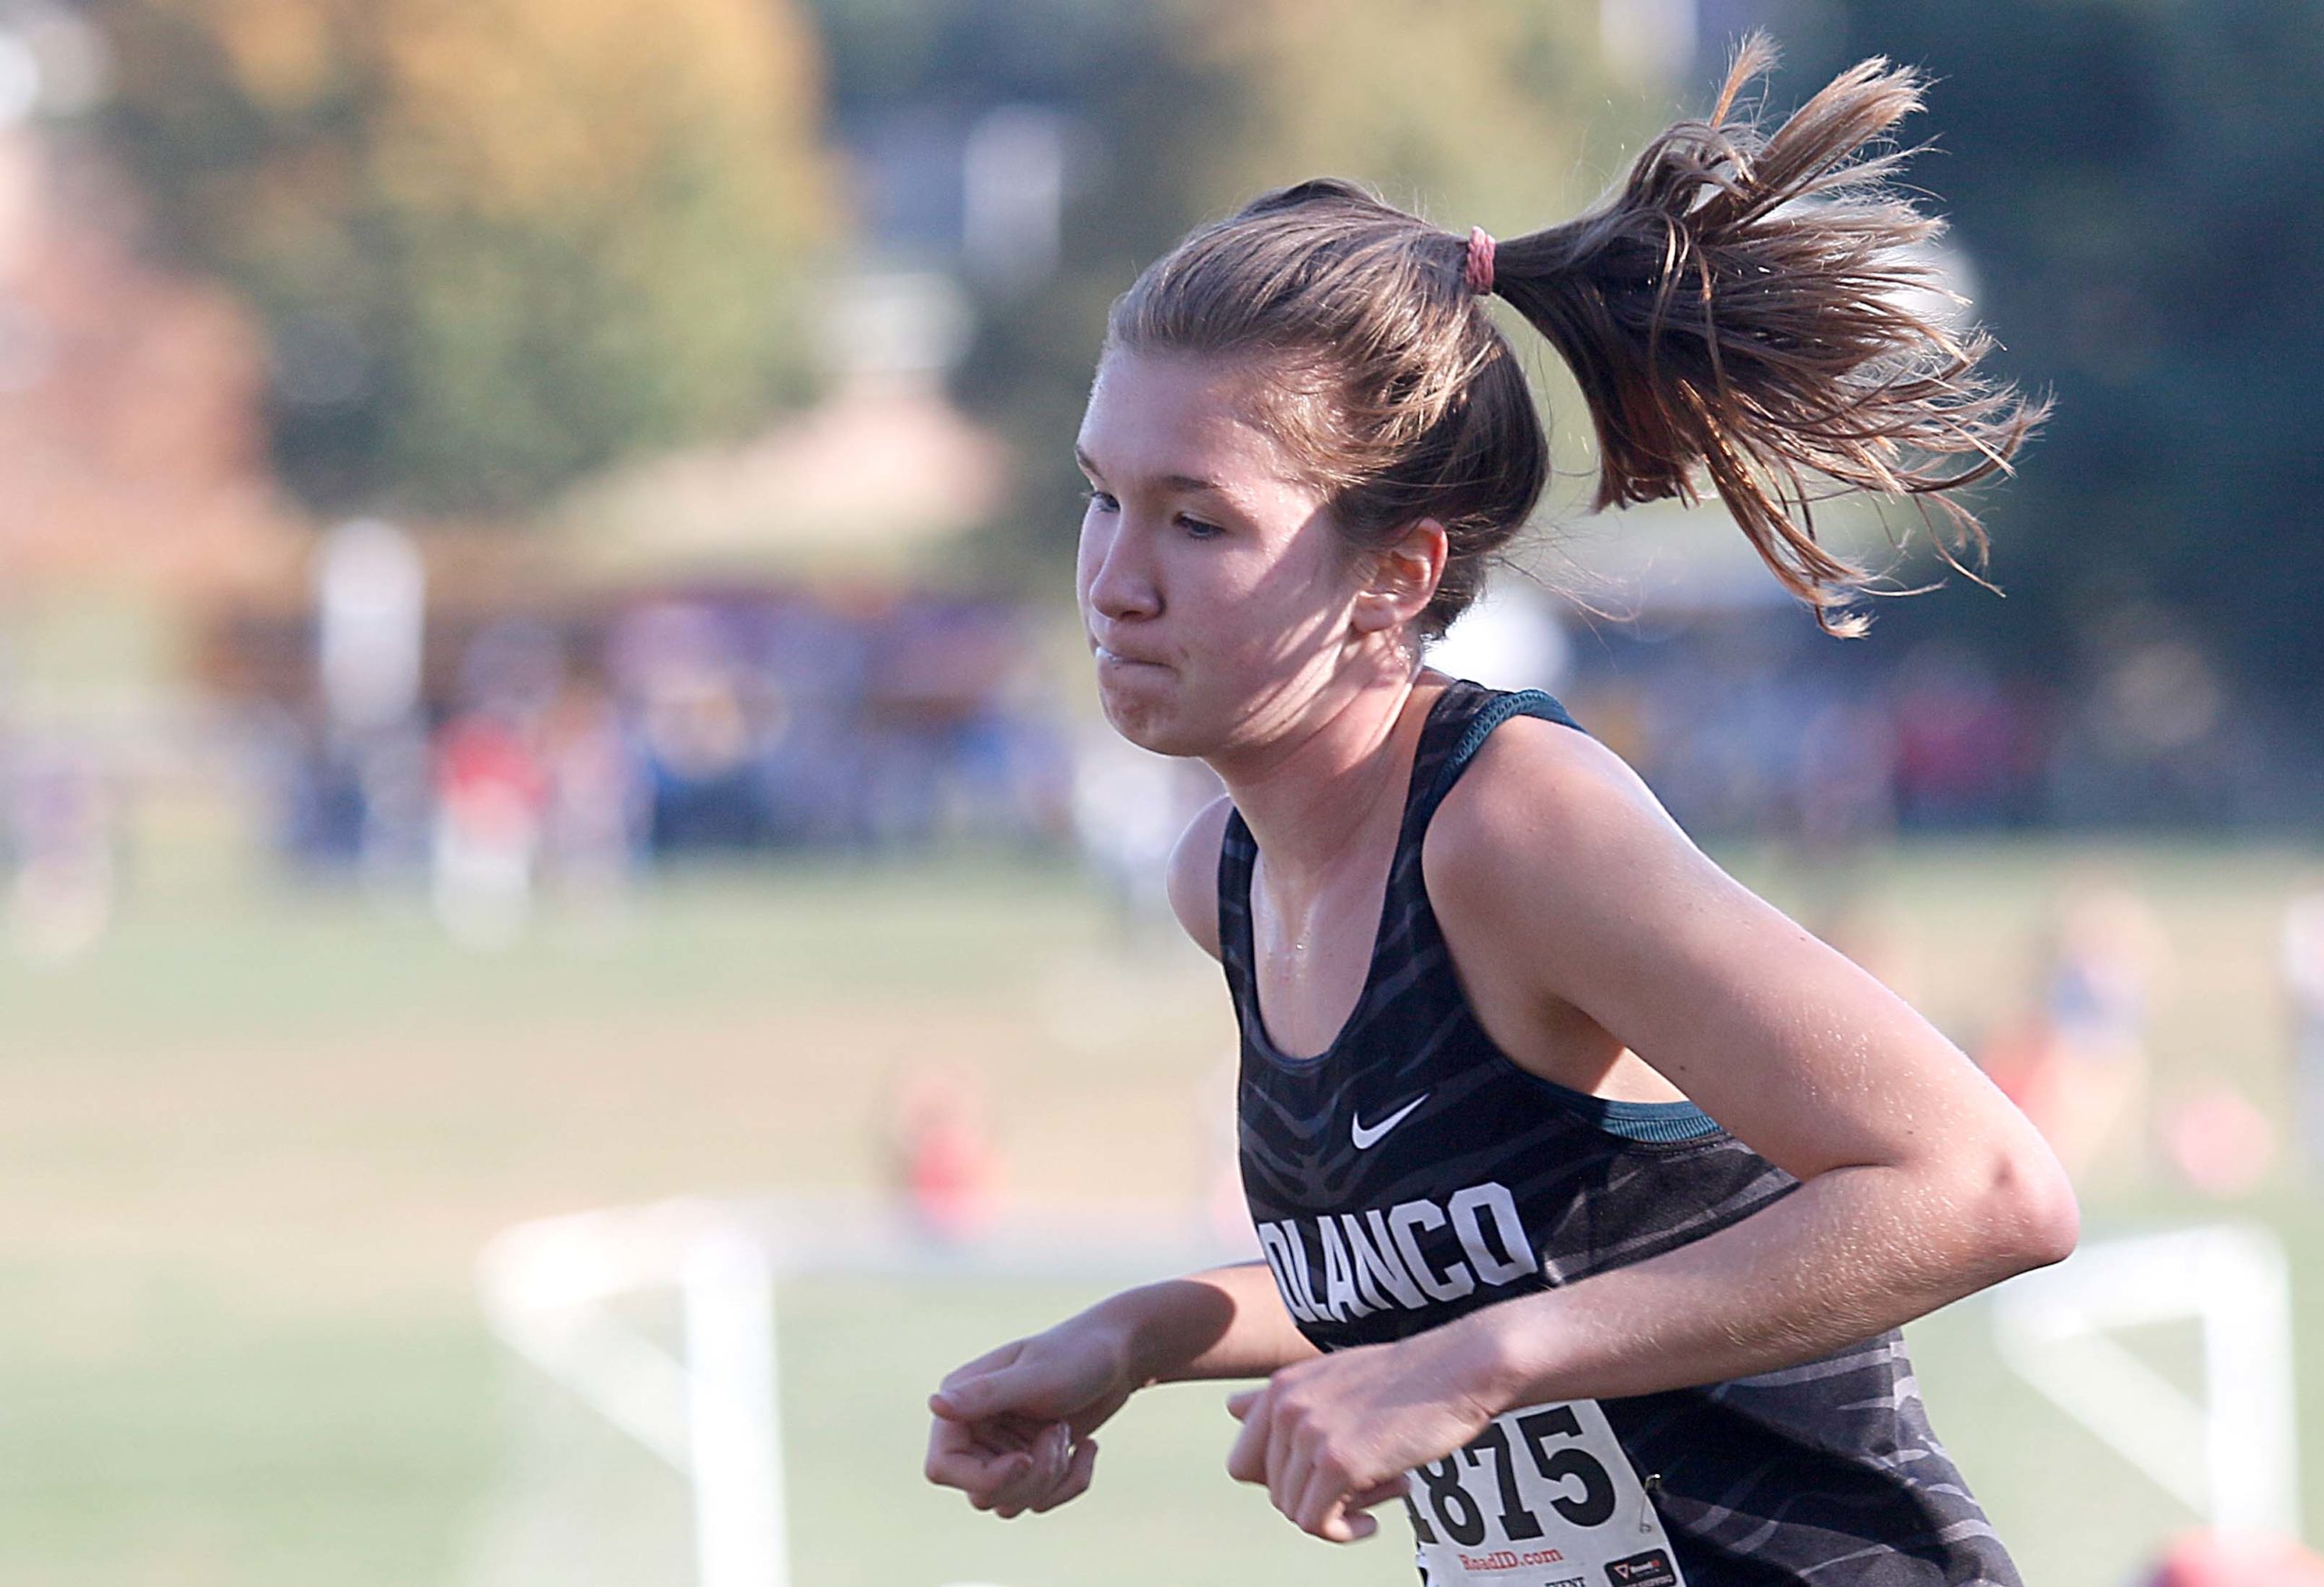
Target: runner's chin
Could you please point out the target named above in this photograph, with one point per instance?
(1136, 696)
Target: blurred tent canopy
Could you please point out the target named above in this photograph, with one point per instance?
(872, 481)
(882, 477)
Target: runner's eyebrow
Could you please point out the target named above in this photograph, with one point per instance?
(1166, 481)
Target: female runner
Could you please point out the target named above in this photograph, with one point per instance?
(1591, 1188)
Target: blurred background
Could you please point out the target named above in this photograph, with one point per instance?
(537, 673)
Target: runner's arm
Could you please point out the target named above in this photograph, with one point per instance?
(1225, 1322)
(1921, 1183)
(1012, 1429)
(1222, 1322)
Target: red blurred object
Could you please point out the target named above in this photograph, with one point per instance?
(488, 772)
(944, 1160)
(2206, 1559)
(2220, 1141)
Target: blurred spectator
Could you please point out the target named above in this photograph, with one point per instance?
(1957, 752)
(2078, 1066)
(490, 790)
(942, 1160)
(593, 820)
(2303, 973)
(1844, 782)
(62, 834)
(1843, 810)
(756, 719)
(687, 676)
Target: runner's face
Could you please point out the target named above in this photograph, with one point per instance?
(1214, 587)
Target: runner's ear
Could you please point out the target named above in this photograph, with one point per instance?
(1402, 579)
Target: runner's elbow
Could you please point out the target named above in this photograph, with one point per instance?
(2029, 1216)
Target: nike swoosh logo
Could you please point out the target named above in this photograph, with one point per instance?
(1367, 1138)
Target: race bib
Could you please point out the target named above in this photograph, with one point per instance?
(1543, 1497)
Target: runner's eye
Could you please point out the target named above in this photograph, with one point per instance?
(1198, 530)
(1100, 500)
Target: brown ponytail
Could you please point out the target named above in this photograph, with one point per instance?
(1741, 304)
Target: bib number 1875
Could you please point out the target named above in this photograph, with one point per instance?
(1582, 1492)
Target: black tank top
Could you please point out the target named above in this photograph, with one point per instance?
(1411, 1172)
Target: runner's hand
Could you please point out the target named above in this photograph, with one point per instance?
(1330, 1438)
(1013, 1428)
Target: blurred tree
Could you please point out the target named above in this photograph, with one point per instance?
(2133, 182)
(1498, 112)
(497, 243)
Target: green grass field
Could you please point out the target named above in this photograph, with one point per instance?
(254, 1141)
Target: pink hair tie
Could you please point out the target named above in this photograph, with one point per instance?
(1480, 267)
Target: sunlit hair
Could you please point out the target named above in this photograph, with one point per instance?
(1744, 308)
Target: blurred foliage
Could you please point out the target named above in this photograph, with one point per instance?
(1481, 115)
(494, 244)
(1496, 114)
(2132, 181)
(498, 244)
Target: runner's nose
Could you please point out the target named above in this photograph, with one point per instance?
(1120, 583)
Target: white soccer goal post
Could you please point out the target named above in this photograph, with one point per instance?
(2231, 1454)
(553, 1291)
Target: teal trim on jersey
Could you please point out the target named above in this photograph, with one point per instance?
(1656, 1123)
(1502, 707)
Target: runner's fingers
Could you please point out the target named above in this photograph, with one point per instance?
(967, 1390)
(976, 1457)
(1350, 1522)
(980, 1477)
(1039, 1473)
(1247, 1461)
(1046, 1489)
(1077, 1475)
(1047, 1459)
(1315, 1502)
(993, 1436)
(1287, 1466)
(1013, 1389)
(990, 1492)
(1320, 1507)
(953, 1453)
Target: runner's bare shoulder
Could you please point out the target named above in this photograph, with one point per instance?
(1193, 874)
